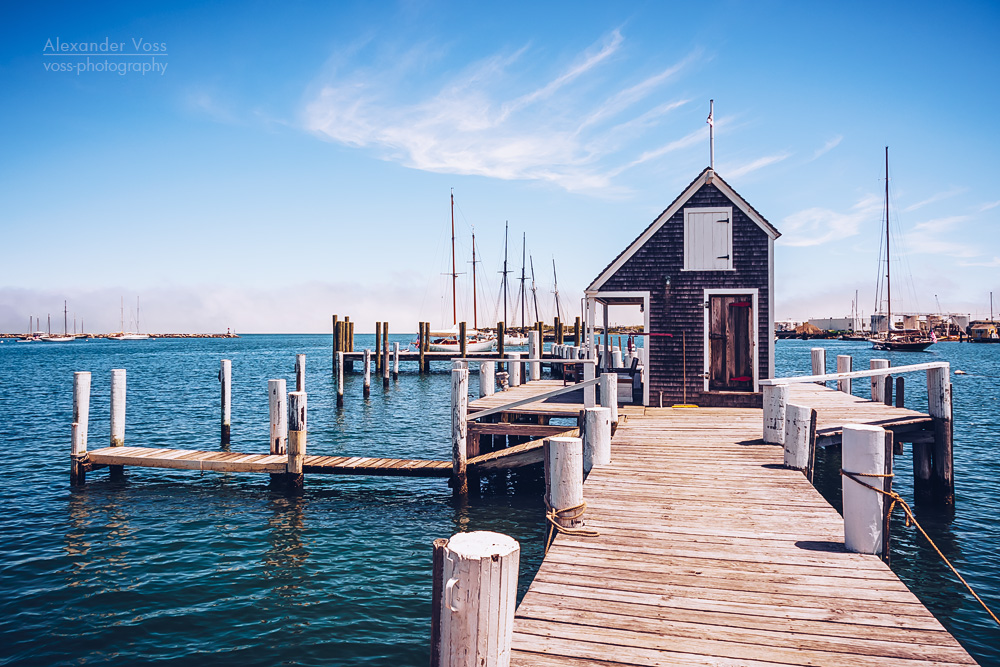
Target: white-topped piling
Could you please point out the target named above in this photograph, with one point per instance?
(590, 391)
(487, 378)
(800, 434)
(81, 420)
(863, 453)
(563, 459)
(596, 438)
(367, 363)
(300, 372)
(514, 369)
(296, 439)
(459, 430)
(534, 352)
(878, 381)
(844, 365)
(818, 355)
(775, 400)
(226, 380)
(609, 394)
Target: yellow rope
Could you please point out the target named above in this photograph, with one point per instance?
(552, 515)
(910, 519)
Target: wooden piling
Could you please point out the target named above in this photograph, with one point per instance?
(878, 386)
(501, 334)
(420, 346)
(385, 366)
(609, 395)
(818, 355)
(300, 372)
(487, 378)
(118, 377)
(459, 430)
(514, 367)
(900, 388)
(474, 595)
(863, 453)
(576, 333)
(563, 461)
(277, 404)
(534, 352)
(596, 438)
(800, 438)
(349, 332)
(333, 356)
(463, 344)
(775, 401)
(887, 390)
(367, 361)
(589, 392)
(378, 346)
(81, 420)
(939, 408)
(339, 367)
(296, 440)
(844, 365)
(395, 361)
(226, 379)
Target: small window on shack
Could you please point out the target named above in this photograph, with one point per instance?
(708, 239)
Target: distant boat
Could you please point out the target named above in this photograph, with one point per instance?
(65, 338)
(983, 331)
(134, 335)
(905, 340)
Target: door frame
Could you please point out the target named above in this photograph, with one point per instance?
(754, 330)
(592, 297)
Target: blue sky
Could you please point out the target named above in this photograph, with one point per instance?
(281, 162)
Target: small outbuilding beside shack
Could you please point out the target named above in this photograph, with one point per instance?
(703, 275)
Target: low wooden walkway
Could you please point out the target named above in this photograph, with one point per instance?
(190, 459)
(836, 408)
(561, 406)
(711, 553)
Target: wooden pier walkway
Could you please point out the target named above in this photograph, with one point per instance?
(712, 553)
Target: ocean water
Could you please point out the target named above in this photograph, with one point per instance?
(190, 568)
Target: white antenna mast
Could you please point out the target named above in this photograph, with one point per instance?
(711, 135)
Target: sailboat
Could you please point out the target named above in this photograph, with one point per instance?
(448, 339)
(901, 340)
(65, 338)
(983, 331)
(135, 335)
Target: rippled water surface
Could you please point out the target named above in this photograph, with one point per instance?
(184, 567)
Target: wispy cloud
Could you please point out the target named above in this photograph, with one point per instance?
(827, 147)
(993, 263)
(816, 226)
(989, 205)
(947, 194)
(936, 237)
(759, 163)
(573, 128)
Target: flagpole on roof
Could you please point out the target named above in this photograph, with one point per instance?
(711, 135)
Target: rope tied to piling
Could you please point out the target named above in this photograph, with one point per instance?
(910, 519)
(552, 515)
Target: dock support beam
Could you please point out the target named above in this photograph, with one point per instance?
(939, 406)
(863, 452)
(226, 378)
(474, 593)
(878, 384)
(800, 438)
(844, 365)
(775, 404)
(339, 370)
(459, 430)
(277, 404)
(596, 438)
(296, 440)
(378, 346)
(368, 372)
(118, 377)
(395, 361)
(81, 420)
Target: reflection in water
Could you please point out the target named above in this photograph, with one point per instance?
(286, 554)
(98, 539)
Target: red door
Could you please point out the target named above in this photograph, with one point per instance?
(730, 336)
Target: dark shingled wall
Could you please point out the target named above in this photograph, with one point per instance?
(663, 255)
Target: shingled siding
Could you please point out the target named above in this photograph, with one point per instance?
(663, 255)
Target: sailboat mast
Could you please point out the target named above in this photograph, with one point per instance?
(524, 245)
(123, 315)
(475, 309)
(555, 287)
(137, 314)
(505, 272)
(454, 272)
(534, 288)
(888, 273)
(65, 319)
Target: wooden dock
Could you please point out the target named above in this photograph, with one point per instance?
(712, 553)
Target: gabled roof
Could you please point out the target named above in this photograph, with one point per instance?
(706, 177)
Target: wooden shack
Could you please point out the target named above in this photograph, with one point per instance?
(703, 276)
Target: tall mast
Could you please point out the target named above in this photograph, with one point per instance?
(65, 319)
(534, 288)
(475, 309)
(524, 245)
(137, 314)
(555, 288)
(454, 273)
(888, 273)
(123, 314)
(505, 272)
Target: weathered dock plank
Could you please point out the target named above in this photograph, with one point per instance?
(711, 553)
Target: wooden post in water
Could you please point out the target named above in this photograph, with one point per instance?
(427, 346)
(117, 417)
(420, 346)
(900, 387)
(534, 352)
(818, 362)
(501, 333)
(378, 346)
(576, 333)
(775, 406)
(563, 460)
(463, 344)
(514, 369)
(487, 378)
(368, 372)
(277, 404)
(81, 421)
(300, 372)
(385, 364)
(844, 365)
(589, 392)
(350, 336)
(878, 386)
(340, 379)
(609, 395)
(596, 438)
(296, 440)
(887, 390)
(939, 407)
(474, 593)
(459, 430)
(395, 361)
(800, 438)
(863, 452)
(333, 356)
(226, 378)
